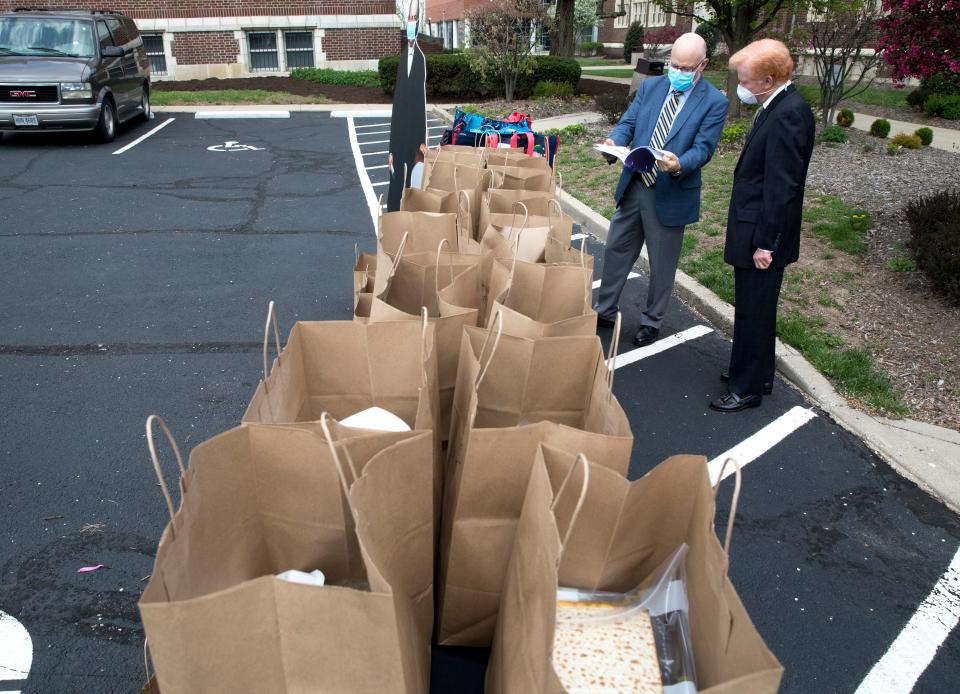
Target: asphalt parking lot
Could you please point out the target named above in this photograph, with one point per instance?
(135, 278)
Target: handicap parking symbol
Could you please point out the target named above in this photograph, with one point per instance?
(232, 146)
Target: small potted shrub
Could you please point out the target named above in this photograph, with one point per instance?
(880, 128)
(845, 118)
(925, 135)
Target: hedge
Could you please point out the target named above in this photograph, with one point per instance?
(452, 76)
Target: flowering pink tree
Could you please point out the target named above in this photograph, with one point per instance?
(920, 38)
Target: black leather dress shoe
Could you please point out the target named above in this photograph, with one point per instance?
(767, 387)
(646, 335)
(605, 322)
(731, 402)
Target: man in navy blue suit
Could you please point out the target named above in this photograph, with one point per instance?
(763, 223)
(683, 114)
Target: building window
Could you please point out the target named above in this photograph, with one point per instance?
(263, 51)
(299, 47)
(658, 17)
(638, 11)
(153, 43)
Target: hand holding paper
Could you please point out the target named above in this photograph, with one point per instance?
(641, 158)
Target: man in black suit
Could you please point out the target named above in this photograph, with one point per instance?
(763, 224)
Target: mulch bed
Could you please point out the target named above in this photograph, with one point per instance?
(334, 92)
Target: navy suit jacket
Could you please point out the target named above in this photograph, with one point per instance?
(693, 138)
(766, 205)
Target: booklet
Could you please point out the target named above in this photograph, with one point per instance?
(641, 158)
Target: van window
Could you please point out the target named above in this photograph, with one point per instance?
(42, 36)
(104, 34)
(119, 35)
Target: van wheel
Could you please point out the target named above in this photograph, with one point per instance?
(106, 128)
(145, 105)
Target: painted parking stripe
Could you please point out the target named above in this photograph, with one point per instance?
(632, 275)
(635, 355)
(752, 448)
(374, 142)
(143, 137)
(233, 115)
(381, 183)
(913, 650)
(577, 237)
(372, 125)
(372, 203)
(16, 653)
(370, 154)
(381, 166)
(375, 132)
(437, 127)
(360, 114)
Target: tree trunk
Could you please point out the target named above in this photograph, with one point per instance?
(739, 38)
(561, 38)
(509, 83)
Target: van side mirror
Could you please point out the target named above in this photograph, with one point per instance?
(111, 52)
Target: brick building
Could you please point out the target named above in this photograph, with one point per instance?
(195, 39)
(659, 27)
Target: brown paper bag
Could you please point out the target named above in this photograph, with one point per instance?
(622, 532)
(413, 285)
(529, 235)
(556, 390)
(518, 178)
(343, 367)
(259, 500)
(364, 272)
(417, 200)
(499, 201)
(538, 300)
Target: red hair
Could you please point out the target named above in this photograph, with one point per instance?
(765, 57)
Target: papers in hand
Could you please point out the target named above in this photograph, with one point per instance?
(641, 158)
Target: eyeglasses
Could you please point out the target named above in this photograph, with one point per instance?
(687, 69)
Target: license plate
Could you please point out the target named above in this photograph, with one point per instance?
(25, 121)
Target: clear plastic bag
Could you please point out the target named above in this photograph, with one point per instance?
(663, 594)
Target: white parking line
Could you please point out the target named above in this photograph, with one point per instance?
(232, 115)
(374, 142)
(577, 237)
(371, 125)
(143, 137)
(375, 132)
(370, 154)
(16, 652)
(381, 183)
(437, 127)
(632, 275)
(635, 355)
(914, 649)
(361, 114)
(381, 166)
(752, 448)
(372, 203)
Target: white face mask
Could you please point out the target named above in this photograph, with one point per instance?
(748, 97)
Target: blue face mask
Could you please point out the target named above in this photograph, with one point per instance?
(681, 81)
(411, 31)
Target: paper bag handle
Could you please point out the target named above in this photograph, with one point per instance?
(559, 189)
(156, 463)
(436, 275)
(614, 351)
(399, 255)
(271, 320)
(463, 200)
(513, 220)
(738, 478)
(380, 216)
(493, 350)
(424, 354)
(582, 460)
(336, 457)
(146, 661)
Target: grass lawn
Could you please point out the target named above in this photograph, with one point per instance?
(613, 72)
(230, 96)
(813, 289)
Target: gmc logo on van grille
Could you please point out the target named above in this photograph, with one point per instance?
(23, 94)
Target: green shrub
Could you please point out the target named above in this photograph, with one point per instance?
(893, 148)
(832, 133)
(548, 90)
(944, 106)
(935, 238)
(734, 133)
(591, 47)
(612, 105)
(925, 135)
(942, 83)
(633, 43)
(880, 128)
(918, 97)
(907, 141)
(845, 118)
(452, 76)
(350, 78)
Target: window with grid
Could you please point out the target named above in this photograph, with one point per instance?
(299, 47)
(621, 22)
(658, 17)
(638, 11)
(153, 43)
(263, 51)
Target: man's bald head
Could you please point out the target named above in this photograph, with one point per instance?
(689, 50)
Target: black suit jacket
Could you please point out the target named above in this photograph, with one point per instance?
(767, 200)
(408, 122)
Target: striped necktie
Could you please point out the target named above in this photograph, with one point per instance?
(660, 133)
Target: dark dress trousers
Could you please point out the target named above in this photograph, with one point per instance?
(408, 124)
(766, 207)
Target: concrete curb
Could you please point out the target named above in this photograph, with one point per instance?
(927, 455)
